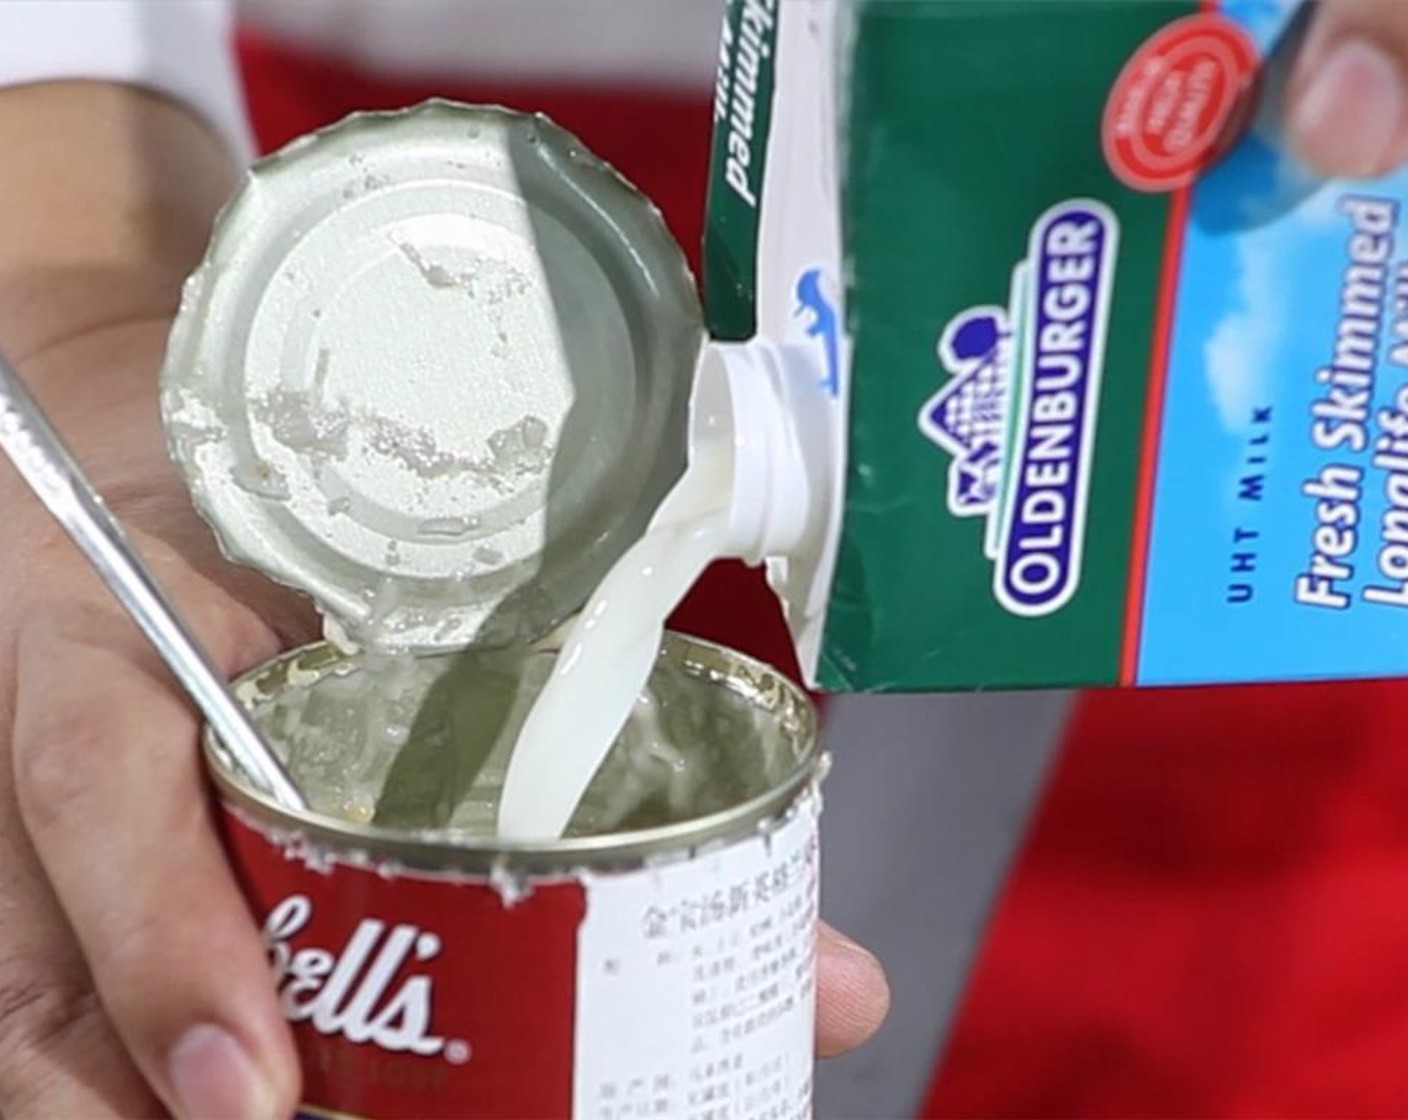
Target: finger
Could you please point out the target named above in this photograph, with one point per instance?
(109, 785)
(1347, 103)
(853, 996)
(59, 1055)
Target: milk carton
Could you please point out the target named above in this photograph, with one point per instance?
(1096, 385)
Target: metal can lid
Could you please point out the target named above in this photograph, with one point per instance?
(434, 371)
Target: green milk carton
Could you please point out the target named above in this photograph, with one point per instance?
(1112, 390)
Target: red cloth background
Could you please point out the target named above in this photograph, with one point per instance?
(1210, 917)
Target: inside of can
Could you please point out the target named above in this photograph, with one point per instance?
(413, 751)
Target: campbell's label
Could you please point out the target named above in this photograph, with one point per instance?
(365, 990)
(1019, 410)
(664, 991)
(411, 995)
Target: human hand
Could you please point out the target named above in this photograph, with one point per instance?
(130, 963)
(132, 979)
(129, 946)
(1347, 103)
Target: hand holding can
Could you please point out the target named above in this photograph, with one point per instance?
(133, 973)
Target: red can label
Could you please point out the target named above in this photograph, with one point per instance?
(683, 990)
(1179, 102)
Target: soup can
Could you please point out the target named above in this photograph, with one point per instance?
(664, 969)
(434, 371)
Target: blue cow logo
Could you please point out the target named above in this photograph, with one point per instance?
(822, 323)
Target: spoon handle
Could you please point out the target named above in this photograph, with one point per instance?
(43, 461)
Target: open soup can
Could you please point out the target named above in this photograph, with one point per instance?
(434, 371)
(658, 961)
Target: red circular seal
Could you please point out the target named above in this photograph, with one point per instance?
(1179, 102)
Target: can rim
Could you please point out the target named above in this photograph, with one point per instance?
(443, 850)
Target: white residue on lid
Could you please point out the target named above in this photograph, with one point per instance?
(387, 615)
(260, 478)
(517, 451)
(190, 422)
(436, 275)
(320, 371)
(185, 438)
(299, 420)
(531, 432)
(301, 423)
(487, 281)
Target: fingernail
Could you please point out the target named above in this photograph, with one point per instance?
(1347, 119)
(215, 1079)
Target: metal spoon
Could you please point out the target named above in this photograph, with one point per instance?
(43, 461)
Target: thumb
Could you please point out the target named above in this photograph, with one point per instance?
(853, 995)
(1347, 104)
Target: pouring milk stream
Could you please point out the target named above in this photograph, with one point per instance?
(719, 508)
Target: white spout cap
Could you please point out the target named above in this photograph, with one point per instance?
(756, 395)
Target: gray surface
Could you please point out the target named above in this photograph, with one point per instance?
(927, 802)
